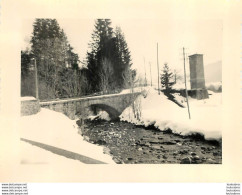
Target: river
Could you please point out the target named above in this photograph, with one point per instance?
(131, 144)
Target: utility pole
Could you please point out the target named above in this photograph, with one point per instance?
(150, 75)
(186, 83)
(145, 74)
(158, 71)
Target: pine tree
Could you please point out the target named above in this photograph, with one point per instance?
(27, 76)
(112, 48)
(123, 60)
(53, 55)
(101, 47)
(167, 78)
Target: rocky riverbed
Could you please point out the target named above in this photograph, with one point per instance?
(130, 144)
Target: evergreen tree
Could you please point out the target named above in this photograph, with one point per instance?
(27, 76)
(123, 60)
(53, 56)
(101, 47)
(167, 78)
(111, 48)
(25, 63)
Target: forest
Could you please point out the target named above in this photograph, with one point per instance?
(106, 69)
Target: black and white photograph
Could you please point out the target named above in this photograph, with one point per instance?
(121, 91)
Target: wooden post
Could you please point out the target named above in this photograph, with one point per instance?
(158, 71)
(145, 74)
(186, 84)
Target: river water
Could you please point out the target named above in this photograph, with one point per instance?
(130, 144)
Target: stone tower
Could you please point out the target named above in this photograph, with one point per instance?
(196, 71)
(197, 80)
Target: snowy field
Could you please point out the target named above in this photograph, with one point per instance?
(55, 129)
(164, 114)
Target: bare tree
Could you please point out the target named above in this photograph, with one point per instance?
(105, 75)
(177, 75)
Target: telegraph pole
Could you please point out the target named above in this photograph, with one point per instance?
(150, 75)
(186, 83)
(145, 74)
(158, 71)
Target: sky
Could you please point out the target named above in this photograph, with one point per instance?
(142, 35)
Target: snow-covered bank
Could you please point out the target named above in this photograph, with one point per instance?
(56, 129)
(164, 114)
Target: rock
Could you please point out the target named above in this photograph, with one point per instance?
(193, 153)
(160, 138)
(165, 157)
(203, 148)
(129, 158)
(196, 157)
(186, 160)
(211, 161)
(86, 138)
(152, 142)
(140, 149)
(100, 142)
(169, 143)
(215, 153)
(183, 152)
(158, 156)
(204, 159)
(179, 144)
(175, 153)
(157, 147)
(117, 161)
(212, 148)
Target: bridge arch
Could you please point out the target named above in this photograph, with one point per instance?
(113, 113)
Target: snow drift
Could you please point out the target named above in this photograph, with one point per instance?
(56, 129)
(164, 114)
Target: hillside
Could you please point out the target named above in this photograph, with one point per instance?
(213, 72)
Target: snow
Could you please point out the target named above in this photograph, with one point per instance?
(31, 154)
(180, 85)
(101, 115)
(135, 89)
(215, 86)
(27, 98)
(56, 129)
(164, 114)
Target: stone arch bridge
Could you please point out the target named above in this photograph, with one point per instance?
(113, 104)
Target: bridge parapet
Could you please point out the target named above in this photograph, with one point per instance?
(114, 104)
